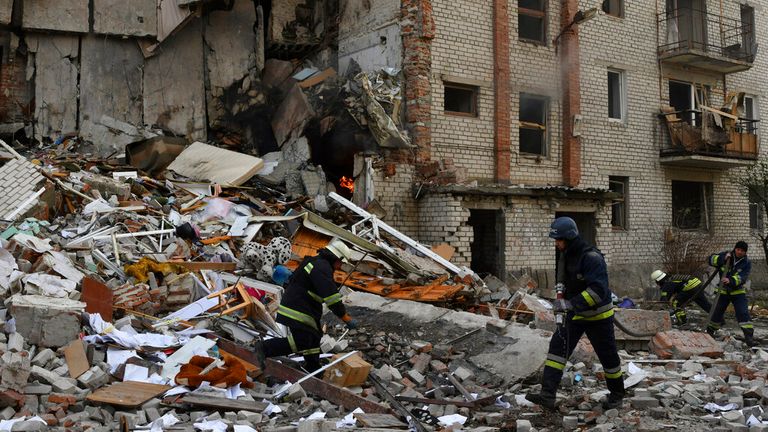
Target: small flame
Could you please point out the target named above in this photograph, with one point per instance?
(347, 183)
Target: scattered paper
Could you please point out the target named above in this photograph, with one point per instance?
(197, 346)
(162, 423)
(117, 357)
(349, 421)
(177, 390)
(211, 425)
(502, 403)
(97, 206)
(48, 285)
(243, 428)
(752, 420)
(271, 408)
(633, 369)
(448, 420)
(520, 400)
(136, 373)
(713, 407)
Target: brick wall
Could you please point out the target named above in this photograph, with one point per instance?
(15, 90)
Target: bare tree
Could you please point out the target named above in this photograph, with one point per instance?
(753, 185)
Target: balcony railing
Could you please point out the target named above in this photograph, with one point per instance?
(695, 38)
(695, 139)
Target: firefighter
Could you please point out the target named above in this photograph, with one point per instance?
(310, 286)
(678, 289)
(733, 268)
(588, 308)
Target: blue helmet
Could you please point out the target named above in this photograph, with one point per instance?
(563, 228)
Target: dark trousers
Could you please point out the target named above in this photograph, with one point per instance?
(700, 300)
(564, 340)
(740, 306)
(301, 341)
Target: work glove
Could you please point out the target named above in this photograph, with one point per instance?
(561, 305)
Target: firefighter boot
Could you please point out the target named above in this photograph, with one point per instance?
(543, 399)
(680, 317)
(749, 337)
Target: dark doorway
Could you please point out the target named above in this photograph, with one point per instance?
(585, 221)
(488, 227)
(681, 99)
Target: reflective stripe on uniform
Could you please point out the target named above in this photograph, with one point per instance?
(713, 326)
(613, 373)
(332, 299)
(308, 268)
(590, 301)
(726, 292)
(602, 312)
(310, 351)
(554, 365)
(292, 343)
(691, 284)
(556, 358)
(736, 279)
(297, 316)
(316, 297)
(746, 325)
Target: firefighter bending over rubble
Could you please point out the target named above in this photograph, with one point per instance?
(301, 308)
(589, 309)
(678, 289)
(734, 268)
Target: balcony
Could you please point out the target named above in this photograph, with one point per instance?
(707, 42)
(696, 140)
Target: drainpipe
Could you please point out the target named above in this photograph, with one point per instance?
(501, 93)
(571, 88)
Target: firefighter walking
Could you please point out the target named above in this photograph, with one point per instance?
(301, 308)
(733, 268)
(678, 290)
(588, 308)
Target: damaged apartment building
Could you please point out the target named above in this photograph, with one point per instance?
(630, 117)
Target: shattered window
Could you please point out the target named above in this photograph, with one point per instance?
(531, 20)
(533, 124)
(692, 205)
(460, 99)
(614, 7)
(619, 206)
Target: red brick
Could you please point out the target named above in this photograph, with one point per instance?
(684, 344)
(58, 398)
(11, 398)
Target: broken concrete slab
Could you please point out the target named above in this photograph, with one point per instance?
(174, 104)
(641, 321)
(276, 72)
(46, 321)
(122, 18)
(56, 83)
(230, 45)
(6, 11)
(685, 344)
(292, 115)
(110, 93)
(61, 15)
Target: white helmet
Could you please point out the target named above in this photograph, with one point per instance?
(658, 275)
(341, 250)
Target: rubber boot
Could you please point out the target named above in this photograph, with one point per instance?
(749, 337)
(681, 316)
(613, 401)
(543, 399)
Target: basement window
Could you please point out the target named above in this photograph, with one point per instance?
(460, 99)
(619, 205)
(692, 204)
(532, 20)
(533, 124)
(614, 8)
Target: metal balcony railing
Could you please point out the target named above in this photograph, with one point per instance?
(693, 31)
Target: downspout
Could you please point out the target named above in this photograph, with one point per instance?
(501, 92)
(571, 89)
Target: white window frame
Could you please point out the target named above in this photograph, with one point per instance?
(622, 96)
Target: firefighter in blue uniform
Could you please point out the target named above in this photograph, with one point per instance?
(734, 268)
(678, 289)
(589, 309)
(301, 307)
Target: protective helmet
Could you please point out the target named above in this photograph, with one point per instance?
(658, 275)
(563, 228)
(341, 250)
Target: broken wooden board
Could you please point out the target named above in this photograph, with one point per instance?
(97, 298)
(127, 394)
(379, 421)
(435, 292)
(77, 360)
(202, 265)
(318, 78)
(201, 161)
(223, 403)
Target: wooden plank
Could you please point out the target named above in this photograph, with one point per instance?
(223, 403)
(317, 78)
(77, 360)
(202, 265)
(97, 298)
(127, 394)
(380, 421)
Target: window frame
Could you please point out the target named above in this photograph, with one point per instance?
(623, 224)
(545, 134)
(458, 86)
(533, 13)
(606, 5)
(706, 206)
(622, 77)
(756, 214)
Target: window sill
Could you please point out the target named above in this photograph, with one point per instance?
(460, 114)
(618, 229)
(533, 42)
(617, 122)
